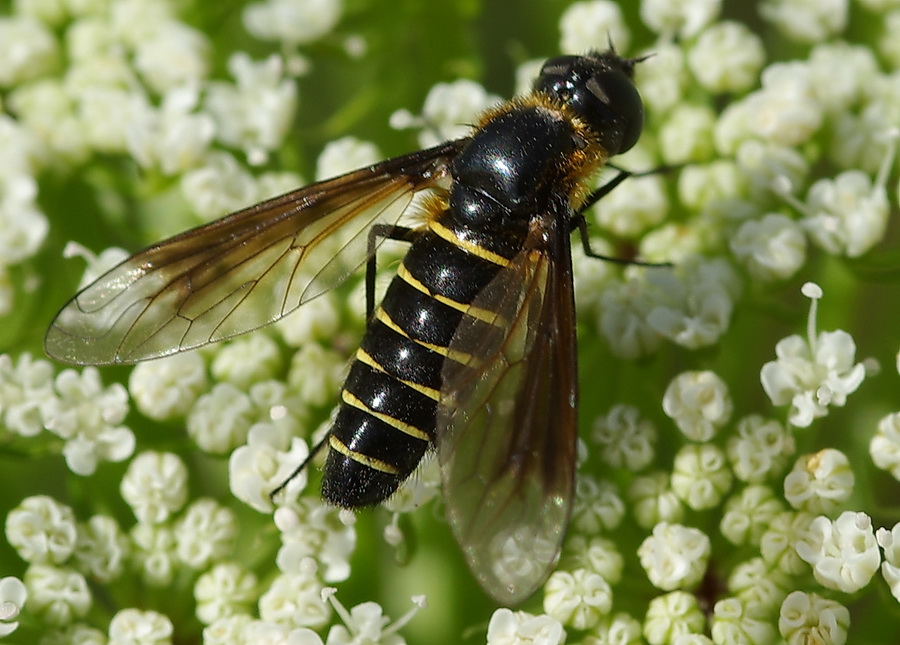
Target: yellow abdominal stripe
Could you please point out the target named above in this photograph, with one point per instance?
(442, 231)
(364, 357)
(405, 428)
(446, 352)
(375, 464)
(484, 315)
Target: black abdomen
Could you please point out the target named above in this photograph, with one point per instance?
(386, 419)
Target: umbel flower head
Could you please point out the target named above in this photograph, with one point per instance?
(739, 451)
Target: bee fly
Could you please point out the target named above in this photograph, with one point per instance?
(472, 349)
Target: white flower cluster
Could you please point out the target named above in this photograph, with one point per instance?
(73, 406)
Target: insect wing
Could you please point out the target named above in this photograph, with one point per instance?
(506, 432)
(243, 271)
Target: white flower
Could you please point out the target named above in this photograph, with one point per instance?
(807, 21)
(167, 388)
(652, 500)
(155, 486)
(771, 248)
(620, 629)
(759, 448)
(13, 595)
(710, 186)
(859, 141)
(24, 385)
(27, 48)
(83, 634)
(295, 599)
(805, 618)
(664, 78)
(846, 215)
(292, 22)
(345, 154)
(726, 57)
(748, 514)
(520, 628)
(698, 403)
(132, 20)
(268, 458)
(221, 419)
(255, 114)
(173, 138)
(57, 595)
(770, 166)
(366, 623)
(758, 585)
(449, 107)
(107, 116)
(316, 373)
(205, 533)
(687, 135)
(233, 630)
(623, 311)
(843, 554)
(247, 360)
(674, 556)
(700, 475)
(734, 621)
(819, 483)
(317, 320)
(625, 438)
(586, 26)
(889, 541)
(102, 549)
(693, 309)
(87, 416)
(146, 627)
(263, 632)
(23, 226)
(579, 599)
(814, 373)
(596, 554)
(315, 529)
(841, 73)
(633, 207)
(223, 590)
(173, 55)
(671, 616)
(884, 448)
(684, 18)
(219, 186)
(154, 552)
(786, 110)
(597, 505)
(41, 530)
(781, 535)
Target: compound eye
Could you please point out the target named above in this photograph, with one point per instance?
(559, 66)
(618, 93)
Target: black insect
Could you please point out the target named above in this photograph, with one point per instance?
(472, 349)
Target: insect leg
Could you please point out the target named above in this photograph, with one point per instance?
(389, 232)
(608, 187)
(579, 221)
(312, 453)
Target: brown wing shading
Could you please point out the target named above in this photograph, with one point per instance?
(506, 433)
(243, 271)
